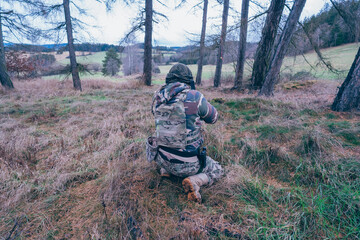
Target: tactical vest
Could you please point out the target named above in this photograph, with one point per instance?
(170, 122)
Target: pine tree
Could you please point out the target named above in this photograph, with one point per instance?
(111, 63)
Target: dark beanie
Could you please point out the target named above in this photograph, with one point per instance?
(180, 73)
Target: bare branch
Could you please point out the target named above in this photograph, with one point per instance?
(317, 50)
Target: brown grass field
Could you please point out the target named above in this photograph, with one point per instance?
(72, 165)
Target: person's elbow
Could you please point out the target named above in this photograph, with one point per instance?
(212, 115)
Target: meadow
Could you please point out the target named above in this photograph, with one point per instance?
(73, 163)
(294, 68)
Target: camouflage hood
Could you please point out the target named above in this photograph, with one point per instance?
(180, 73)
(169, 91)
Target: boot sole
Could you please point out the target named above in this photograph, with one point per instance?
(192, 197)
(187, 185)
(189, 189)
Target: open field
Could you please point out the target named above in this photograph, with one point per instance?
(73, 165)
(294, 68)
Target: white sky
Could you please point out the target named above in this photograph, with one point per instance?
(112, 26)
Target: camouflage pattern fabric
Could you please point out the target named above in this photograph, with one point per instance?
(170, 118)
(213, 169)
(178, 114)
(151, 149)
(184, 169)
(179, 73)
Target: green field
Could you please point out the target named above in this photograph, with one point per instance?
(340, 57)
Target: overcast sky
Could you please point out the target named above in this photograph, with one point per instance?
(112, 26)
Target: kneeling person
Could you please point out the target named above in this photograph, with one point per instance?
(179, 111)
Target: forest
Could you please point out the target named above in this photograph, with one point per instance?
(75, 117)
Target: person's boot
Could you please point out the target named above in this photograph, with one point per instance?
(192, 186)
(164, 173)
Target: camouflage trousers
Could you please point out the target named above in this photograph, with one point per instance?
(213, 169)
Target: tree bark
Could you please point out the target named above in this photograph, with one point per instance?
(202, 43)
(280, 51)
(4, 76)
(148, 41)
(266, 44)
(239, 73)
(220, 54)
(73, 63)
(348, 97)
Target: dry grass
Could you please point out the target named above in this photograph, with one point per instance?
(73, 165)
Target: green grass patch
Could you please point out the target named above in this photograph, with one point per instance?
(272, 131)
(331, 116)
(309, 112)
(250, 109)
(350, 137)
(338, 126)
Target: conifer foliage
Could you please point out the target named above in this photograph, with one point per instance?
(111, 63)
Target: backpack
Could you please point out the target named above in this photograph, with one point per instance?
(170, 122)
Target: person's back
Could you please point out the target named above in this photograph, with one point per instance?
(179, 111)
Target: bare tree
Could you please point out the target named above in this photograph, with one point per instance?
(280, 51)
(348, 97)
(4, 76)
(148, 42)
(69, 33)
(133, 61)
(202, 43)
(266, 44)
(219, 59)
(16, 25)
(51, 13)
(239, 73)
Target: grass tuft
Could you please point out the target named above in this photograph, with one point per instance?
(73, 166)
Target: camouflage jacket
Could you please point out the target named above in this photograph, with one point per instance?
(178, 112)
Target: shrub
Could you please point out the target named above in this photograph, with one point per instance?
(19, 63)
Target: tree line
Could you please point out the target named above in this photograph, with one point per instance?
(271, 50)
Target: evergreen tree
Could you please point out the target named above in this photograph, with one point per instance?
(111, 63)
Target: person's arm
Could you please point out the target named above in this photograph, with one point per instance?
(207, 112)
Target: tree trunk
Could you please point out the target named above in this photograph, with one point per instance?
(220, 54)
(348, 97)
(239, 73)
(4, 76)
(266, 44)
(279, 54)
(202, 43)
(148, 40)
(73, 64)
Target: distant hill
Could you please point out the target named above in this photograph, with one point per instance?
(34, 48)
(328, 28)
(86, 47)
